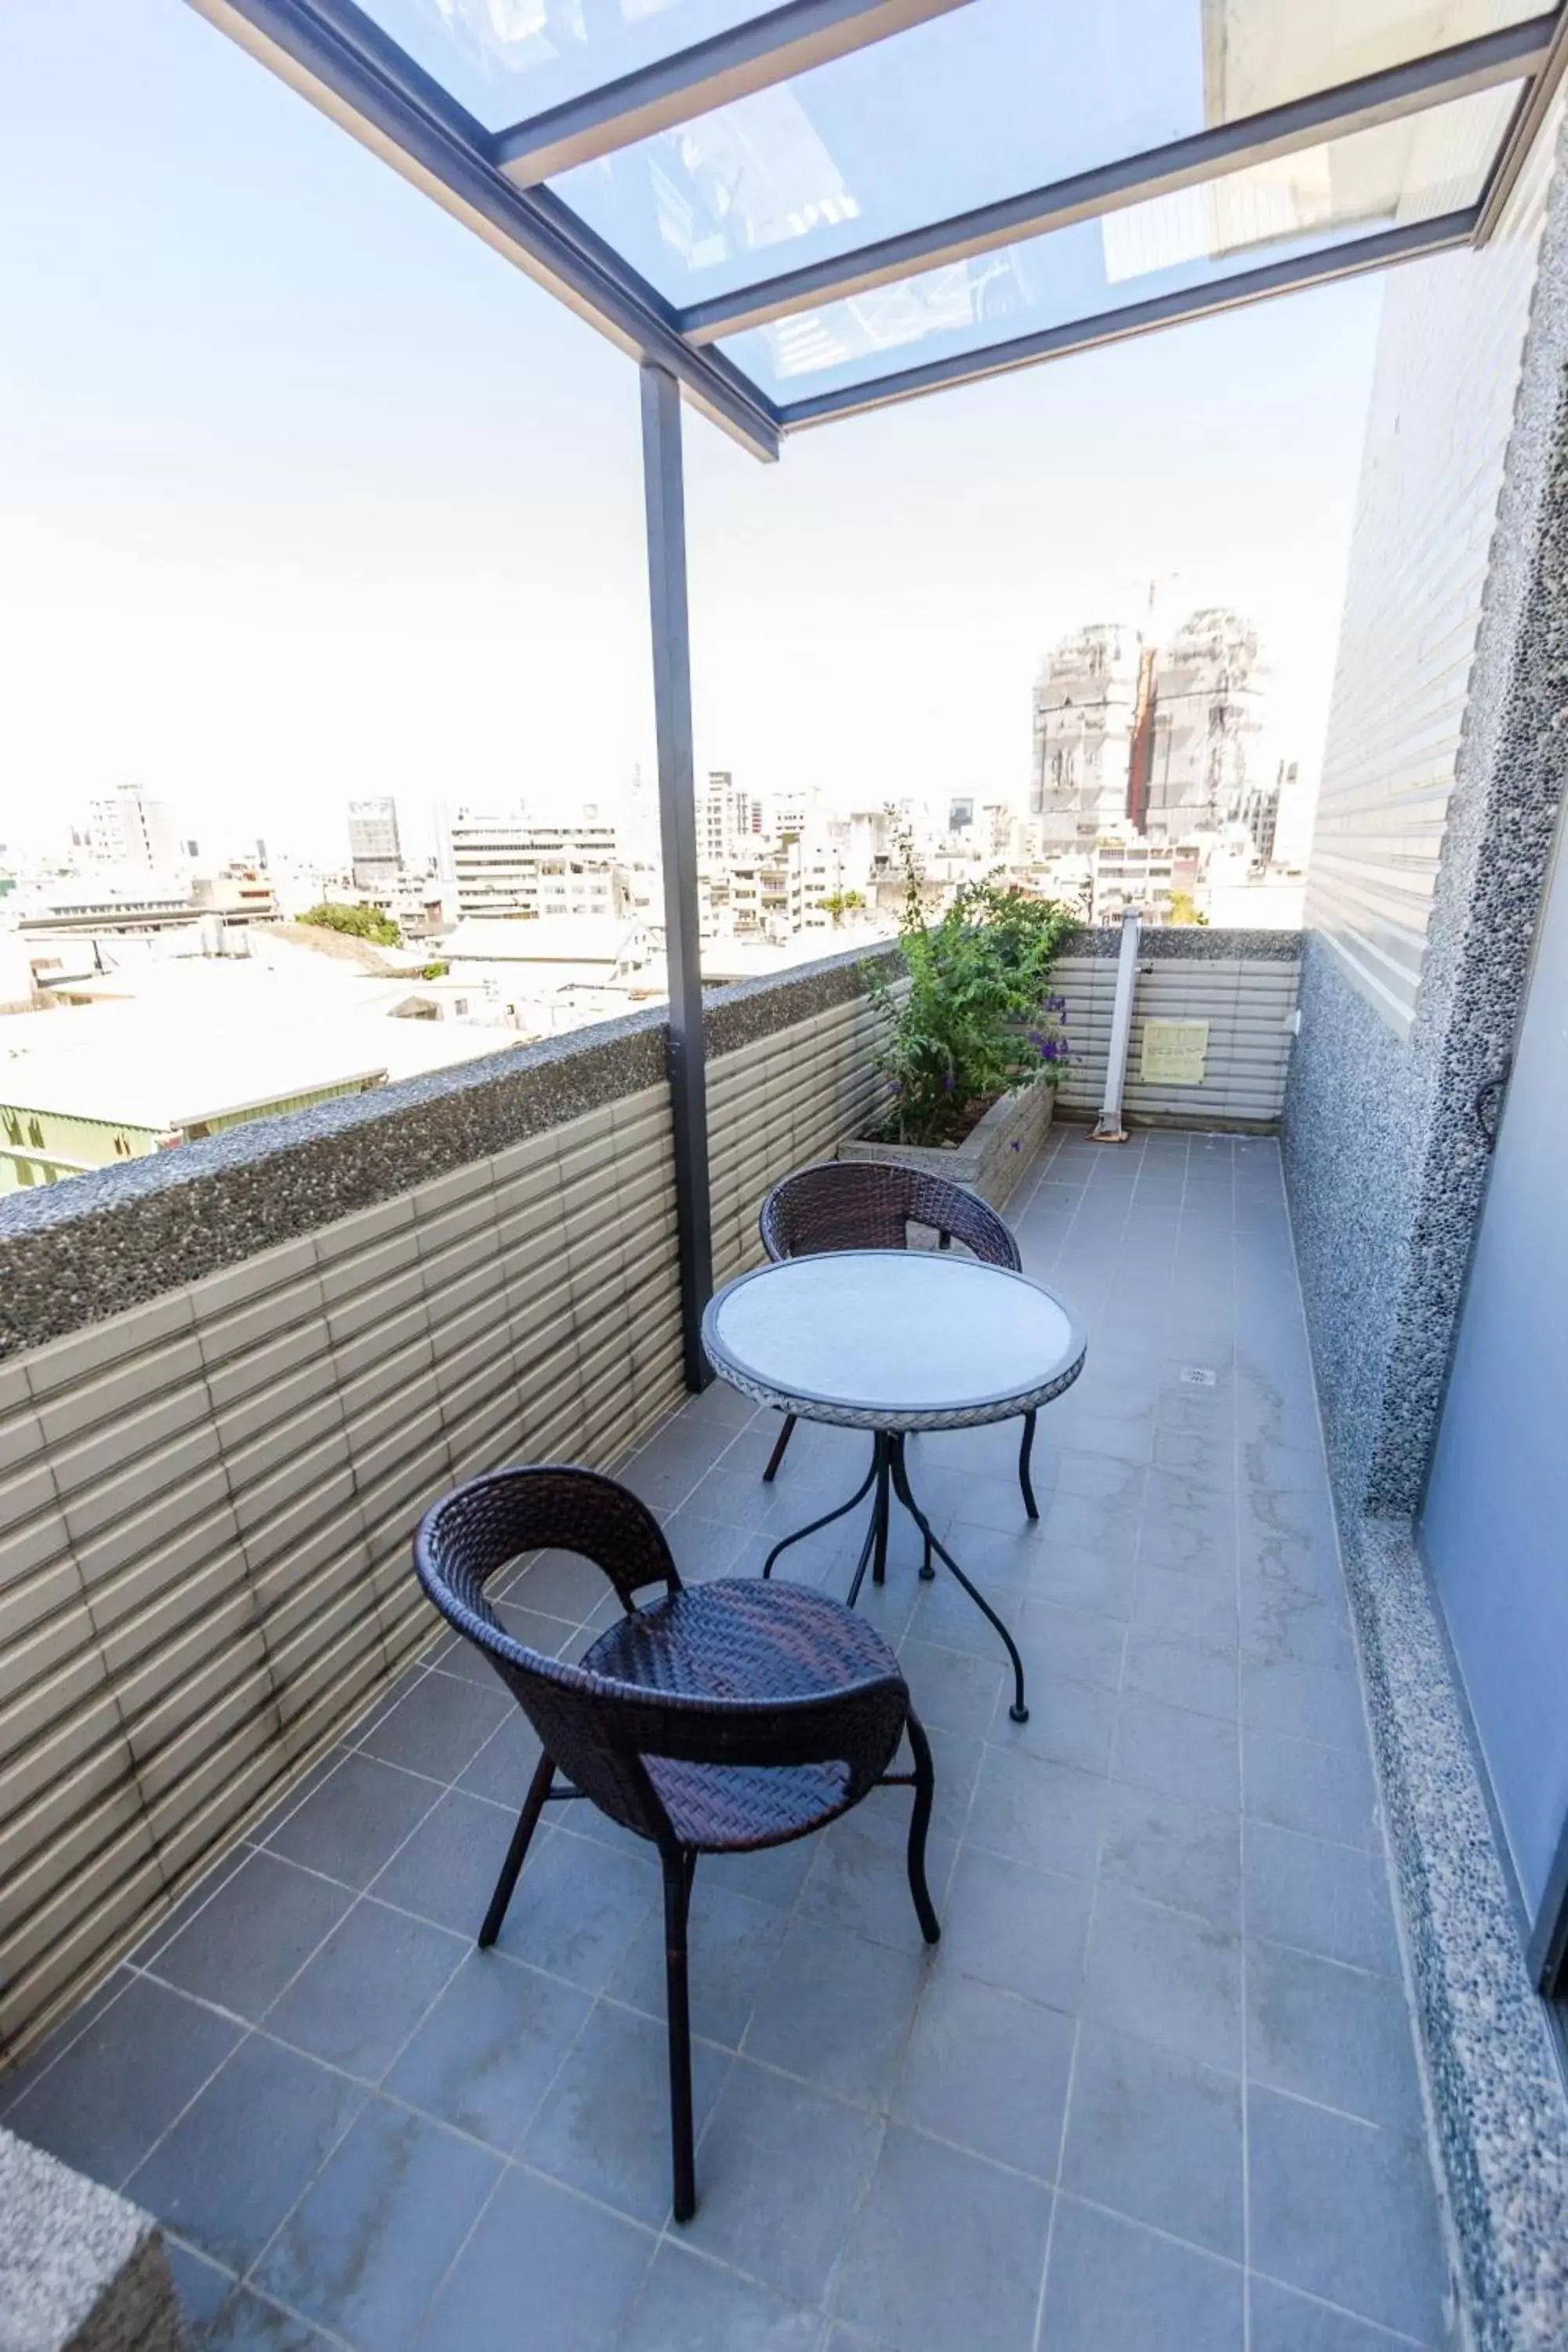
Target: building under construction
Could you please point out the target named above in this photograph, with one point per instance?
(1162, 738)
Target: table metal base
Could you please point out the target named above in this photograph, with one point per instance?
(890, 1475)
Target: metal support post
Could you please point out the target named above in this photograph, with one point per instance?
(1111, 1130)
(664, 504)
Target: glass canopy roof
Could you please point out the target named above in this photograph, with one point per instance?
(803, 208)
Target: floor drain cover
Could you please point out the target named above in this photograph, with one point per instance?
(1197, 1376)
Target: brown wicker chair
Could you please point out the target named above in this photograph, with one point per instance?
(713, 1719)
(844, 1204)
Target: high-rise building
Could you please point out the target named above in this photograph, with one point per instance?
(1160, 739)
(514, 866)
(729, 820)
(373, 849)
(127, 830)
(1087, 702)
(1260, 811)
(1207, 711)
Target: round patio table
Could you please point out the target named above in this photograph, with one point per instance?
(894, 1341)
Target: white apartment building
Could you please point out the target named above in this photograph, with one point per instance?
(729, 821)
(375, 853)
(127, 831)
(521, 866)
(760, 898)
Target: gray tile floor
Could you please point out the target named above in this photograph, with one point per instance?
(1156, 2087)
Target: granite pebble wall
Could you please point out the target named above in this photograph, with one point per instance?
(1386, 1167)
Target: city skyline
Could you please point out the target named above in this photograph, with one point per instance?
(373, 837)
(365, 514)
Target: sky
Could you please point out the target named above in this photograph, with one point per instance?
(306, 494)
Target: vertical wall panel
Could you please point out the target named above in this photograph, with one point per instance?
(206, 1506)
(1438, 432)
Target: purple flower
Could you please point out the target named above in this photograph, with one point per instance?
(1038, 1040)
(1054, 1047)
(947, 1081)
(1014, 1144)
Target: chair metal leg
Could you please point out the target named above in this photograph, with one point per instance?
(527, 1822)
(777, 1455)
(678, 1873)
(920, 1822)
(1026, 1448)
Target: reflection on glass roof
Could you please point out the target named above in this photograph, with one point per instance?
(505, 59)
(1401, 173)
(970, 108)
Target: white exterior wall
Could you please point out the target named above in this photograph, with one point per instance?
(1438, 432)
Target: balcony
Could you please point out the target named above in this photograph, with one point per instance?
(1158, 2084)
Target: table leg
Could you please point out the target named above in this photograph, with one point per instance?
(883, 1511)
(877, 1520)
(900, 1477)
(861, 1491)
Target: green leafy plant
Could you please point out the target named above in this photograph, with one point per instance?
(355, 922)
(839, 903)
(976, 1019)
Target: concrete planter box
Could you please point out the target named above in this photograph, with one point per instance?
(992, 1155)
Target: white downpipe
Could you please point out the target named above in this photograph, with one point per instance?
(1111, 1130)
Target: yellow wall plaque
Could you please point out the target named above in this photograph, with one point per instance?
(1174, 1052)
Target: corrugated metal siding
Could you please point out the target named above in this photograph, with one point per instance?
(1246, 1002)
(1437, 431)
(206, 1506)
(777, 1104)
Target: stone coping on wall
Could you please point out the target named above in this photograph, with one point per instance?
(1184, 943)
(1499, 2093)
(75, 1253)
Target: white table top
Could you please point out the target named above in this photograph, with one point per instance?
(893, 1339)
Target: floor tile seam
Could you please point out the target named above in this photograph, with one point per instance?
(10, 2100)
(1237, 1455)
(1072, 2090)
(296, 1796)
(253, 2023)
(441, 1789)
(673, 2233)
(251, 2274)
(468, 2238)
(376, 2081)
(1044, 2287)
(1395, 2338)
(316, 2327)
(151, 1973)
(158, 2139)
(833, 2284)
(1169, 2236)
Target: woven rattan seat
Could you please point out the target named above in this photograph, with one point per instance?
(848, 1204)
(745, 1640)
(732, 1715)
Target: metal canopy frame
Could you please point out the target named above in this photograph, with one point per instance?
(337, 57)
(754, 55)
(334, 55)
